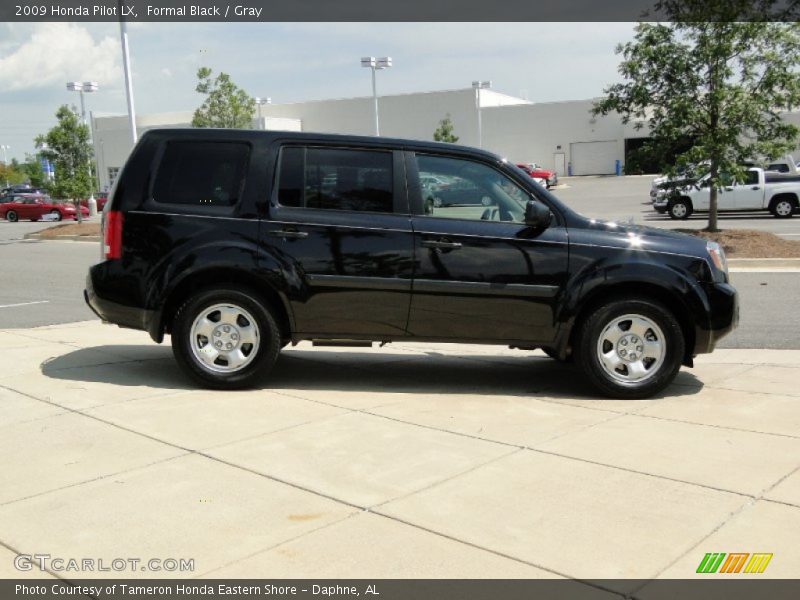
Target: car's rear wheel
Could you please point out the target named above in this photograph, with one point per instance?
(226, 338)
(630, 348)
(12, 216)
(680, 208)
(56, 214)
(783, 208)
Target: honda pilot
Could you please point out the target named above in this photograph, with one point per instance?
(236, 243)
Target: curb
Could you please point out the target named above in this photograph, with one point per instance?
(75, 238)
(764, 263)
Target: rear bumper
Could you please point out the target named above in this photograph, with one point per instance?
(114, 312)
(723, 317)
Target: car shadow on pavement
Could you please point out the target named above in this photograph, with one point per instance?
(357, 371)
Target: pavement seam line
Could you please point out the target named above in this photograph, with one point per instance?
(452, 538)
(93, 479)
(279, 544)
(753, 500)
(568, 457)
(713, 426)
(446, 479)
(189, 451)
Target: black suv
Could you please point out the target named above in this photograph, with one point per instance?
(239, 242)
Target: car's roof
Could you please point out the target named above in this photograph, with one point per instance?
(322, 137)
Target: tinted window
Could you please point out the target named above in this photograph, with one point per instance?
(201, 173)
(751, 178)
(463, 189)
(336, 179)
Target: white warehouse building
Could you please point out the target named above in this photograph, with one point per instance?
(563, 136)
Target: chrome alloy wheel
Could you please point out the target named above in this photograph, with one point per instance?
(679, 210)
(784, 208)
(631, 349)
(224, 338)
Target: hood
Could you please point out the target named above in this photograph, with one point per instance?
(626, 235)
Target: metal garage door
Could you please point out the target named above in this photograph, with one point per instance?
(593, 158)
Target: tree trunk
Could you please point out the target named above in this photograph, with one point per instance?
(712, 209)
(77, 204)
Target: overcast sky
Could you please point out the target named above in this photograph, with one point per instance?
(291, 62)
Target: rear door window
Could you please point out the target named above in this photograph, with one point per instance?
(336, 179)
(201, 173)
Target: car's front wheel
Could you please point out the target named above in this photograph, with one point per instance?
(226, 338)
(630, 348)
(681, 208)
(56, 214)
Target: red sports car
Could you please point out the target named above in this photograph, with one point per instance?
(100, 197)
(35, 207)
(538, 172)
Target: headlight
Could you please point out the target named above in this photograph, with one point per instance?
(717, 255)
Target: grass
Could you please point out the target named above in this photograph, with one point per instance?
(750, 243)
(83, 229)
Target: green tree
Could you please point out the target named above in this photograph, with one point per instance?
(444, 133)
(718, 72)
(226, 105)
(67, 146)
(32, 171)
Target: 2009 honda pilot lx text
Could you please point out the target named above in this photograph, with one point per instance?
(239, 242)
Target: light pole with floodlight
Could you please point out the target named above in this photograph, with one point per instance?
(376, 64)
(88, 87)
(478, 86)
(5, 160)
(259, 103)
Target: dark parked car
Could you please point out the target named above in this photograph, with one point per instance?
(239, 242)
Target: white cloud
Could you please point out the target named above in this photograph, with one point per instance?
(166, 72)
(56, 53)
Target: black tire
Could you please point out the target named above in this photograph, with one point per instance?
(554, 355)
(12, 216)
(588, 344)
(680, 208)
(783, 208)
(268, 333)
(57, 214)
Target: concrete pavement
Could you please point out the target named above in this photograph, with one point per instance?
(412, 460)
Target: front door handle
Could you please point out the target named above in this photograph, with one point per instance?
(288, 234)
(755, 187)
(441, 243)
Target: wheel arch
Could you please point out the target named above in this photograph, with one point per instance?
(791, 196)
(680, 302)
(219, 277)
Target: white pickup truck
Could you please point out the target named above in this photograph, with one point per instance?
(754, 193)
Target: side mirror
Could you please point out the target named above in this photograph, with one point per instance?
(537, 214)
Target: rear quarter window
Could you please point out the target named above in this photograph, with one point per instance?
(202, 174)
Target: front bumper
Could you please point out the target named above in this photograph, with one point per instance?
(723, 316)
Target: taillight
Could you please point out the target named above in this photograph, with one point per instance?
(112, 234)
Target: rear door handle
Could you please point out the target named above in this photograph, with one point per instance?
(441, 244)
(288, 234)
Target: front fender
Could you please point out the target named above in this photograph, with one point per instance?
(674, 284)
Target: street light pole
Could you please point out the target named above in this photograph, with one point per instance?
(5, 160)
(478, 86)
(126, 65)
(259, 102)
(376, 64)
(88, 87)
